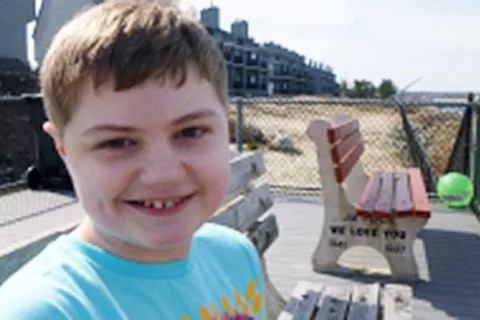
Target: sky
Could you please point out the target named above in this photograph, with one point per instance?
(434, 40)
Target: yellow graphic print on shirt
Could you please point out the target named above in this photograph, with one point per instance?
(250, 305)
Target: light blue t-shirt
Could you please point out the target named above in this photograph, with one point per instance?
(73, 280)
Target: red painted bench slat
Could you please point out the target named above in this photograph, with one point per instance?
(342, 130)
(340, 149)
(418, 194)
(345, 166)
(402, 203)
(384, 204)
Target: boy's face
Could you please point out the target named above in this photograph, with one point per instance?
(149, 165)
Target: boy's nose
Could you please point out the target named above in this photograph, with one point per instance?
(162, 166)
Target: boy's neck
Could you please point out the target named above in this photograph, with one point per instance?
(89, 233)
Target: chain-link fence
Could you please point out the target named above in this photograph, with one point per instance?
(437, 137)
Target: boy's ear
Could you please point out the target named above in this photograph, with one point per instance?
(50, 128)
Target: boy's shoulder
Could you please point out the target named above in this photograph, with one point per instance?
(227, 248)
(221, 237)
(213, 232)
(43, 300)
(43, 282)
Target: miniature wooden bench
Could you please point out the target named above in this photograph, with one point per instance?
(243, 208)
(358, 302)
(384, 211)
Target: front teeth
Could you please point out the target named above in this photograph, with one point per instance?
(162, 205)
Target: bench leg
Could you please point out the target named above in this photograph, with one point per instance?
(274, 300)
(401, 257)
(403, 266)
(326, 255)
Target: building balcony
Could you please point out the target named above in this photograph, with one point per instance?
(237, 85)
(238, 59)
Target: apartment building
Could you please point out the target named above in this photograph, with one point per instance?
(266, 69)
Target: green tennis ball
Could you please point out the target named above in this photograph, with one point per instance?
(455, 190)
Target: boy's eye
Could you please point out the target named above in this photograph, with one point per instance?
(193, 132)
(117, 144)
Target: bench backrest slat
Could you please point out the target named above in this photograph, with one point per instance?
(342, 130)
(264, 233)
(243, 211)
(346, 147)
(243, 170)
(421, 205)
(340, 149)
(344, 167)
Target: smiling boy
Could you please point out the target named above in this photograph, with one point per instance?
(136, 98)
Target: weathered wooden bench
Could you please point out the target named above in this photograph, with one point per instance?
(243, 209)
(384, 210)
(358, 302)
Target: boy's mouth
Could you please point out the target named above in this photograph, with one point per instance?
(158, 207)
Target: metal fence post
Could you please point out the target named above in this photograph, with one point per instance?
(476, 161)
(239, 126)
(470, 142)
(470, 162)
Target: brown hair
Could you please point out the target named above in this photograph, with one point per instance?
(127, 42)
